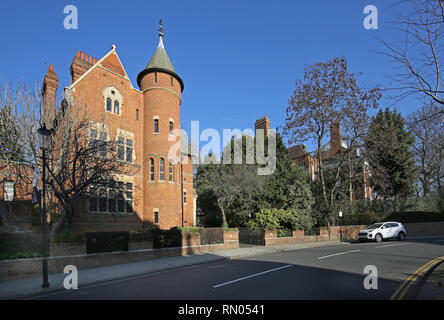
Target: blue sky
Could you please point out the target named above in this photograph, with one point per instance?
(239, 59)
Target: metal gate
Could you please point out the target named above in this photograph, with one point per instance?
(251, 237)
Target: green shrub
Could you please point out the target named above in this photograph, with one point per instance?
(167, 238)
(141, 235)
(107, 242)
(418, 216)
(68, 237)
(17, 245)
(188, 229)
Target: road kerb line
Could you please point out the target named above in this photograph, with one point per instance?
(413, 280)
(250, 276)
(411, 277)
(337, 254)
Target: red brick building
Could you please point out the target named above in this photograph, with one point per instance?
(141, 119)
(298, 154)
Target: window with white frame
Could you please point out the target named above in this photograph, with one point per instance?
(113, 100)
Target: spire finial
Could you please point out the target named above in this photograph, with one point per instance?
(160, 28)
(160, 34)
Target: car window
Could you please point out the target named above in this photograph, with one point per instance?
(394, 225)
(385, 226)
(374, 226)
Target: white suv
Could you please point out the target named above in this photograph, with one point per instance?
(383, 230)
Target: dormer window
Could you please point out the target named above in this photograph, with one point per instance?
(113, 100)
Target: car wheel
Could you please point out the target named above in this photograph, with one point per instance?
(401, 236)
(378, 237)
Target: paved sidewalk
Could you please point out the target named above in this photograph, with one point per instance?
(17, 289)
(433, 287)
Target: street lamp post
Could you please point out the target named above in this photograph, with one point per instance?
(340, 223)
(44, 137)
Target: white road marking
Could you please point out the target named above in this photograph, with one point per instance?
(337, 254)
(392, 245)
(218, 266)
(250, 276)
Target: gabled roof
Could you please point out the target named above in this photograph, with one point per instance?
(111, 62)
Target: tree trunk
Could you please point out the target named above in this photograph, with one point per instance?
(224, 217)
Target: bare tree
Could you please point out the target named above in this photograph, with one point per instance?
(329, 95)
(82, 154)
(429, 146)
(420, 51)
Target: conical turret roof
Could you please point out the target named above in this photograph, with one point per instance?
(160, 62)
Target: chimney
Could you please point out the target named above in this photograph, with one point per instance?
(49, 92)
(80, 64)
(263, 123)
(335, 137)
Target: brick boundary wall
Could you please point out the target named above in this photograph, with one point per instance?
(22, 268)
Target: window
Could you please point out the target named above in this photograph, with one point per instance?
(125, 149)
(112, 100)
(92, 199)
(102, 200)
(97, 143)
(161, 169)
(184, 197)
(120, 199)
(137, 114)
(171, 127)
(129, 197)
(108, 104)
(129, 150)
(111, 198)
(156, 217)
(171, 81)
(155, 77)
(120, 149)
(156, 125)
(170, 171)
(102, 147)
(151, 169)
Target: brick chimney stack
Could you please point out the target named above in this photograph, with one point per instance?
(335, 137)
(263, 123)
(49, 93)
(80, 64)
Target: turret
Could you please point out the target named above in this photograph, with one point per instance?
(162, 88)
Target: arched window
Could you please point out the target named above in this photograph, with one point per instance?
(151, 169)
(161, 170)
(116, 107)
(108, 104)
(170, 171)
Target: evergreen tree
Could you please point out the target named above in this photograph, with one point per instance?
(389, 150)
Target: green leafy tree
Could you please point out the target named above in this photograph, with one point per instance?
(389, 150)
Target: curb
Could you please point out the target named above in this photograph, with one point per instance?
(111, 279)
(425, 277)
